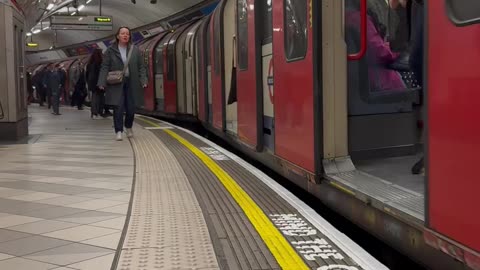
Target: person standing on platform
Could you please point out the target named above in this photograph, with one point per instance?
(98, 96)
(73, 76)
(124, 92)
(29, 88)
(80, 88)
(54, 82)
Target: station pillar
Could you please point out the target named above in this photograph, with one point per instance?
(13, 97)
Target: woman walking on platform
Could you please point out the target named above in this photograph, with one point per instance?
(122, 76)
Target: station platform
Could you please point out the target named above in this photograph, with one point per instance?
(71, 197)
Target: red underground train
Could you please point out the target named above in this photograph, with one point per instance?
(295, 84)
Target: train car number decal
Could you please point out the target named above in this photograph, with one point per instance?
(214, 153)
(319, 249)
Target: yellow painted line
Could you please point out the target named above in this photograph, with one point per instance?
(280, 248)
(149, 122)
(342, 188)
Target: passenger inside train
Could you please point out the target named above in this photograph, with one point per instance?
(384, 72)
(385, 106)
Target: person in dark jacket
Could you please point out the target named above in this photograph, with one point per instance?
(54, 85)
(128, 94)
(81, 88)
(29, 88)
(98, 96)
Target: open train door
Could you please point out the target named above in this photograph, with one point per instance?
(453, 79)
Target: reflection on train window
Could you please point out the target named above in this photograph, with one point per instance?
(159, 59)
(295, 29)
(266, 22)
(463, 12)
(216, 42)
(242, 34)
(146, 55)
(209, 43)
(171, 61)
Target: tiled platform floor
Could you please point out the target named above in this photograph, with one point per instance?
(64, 196)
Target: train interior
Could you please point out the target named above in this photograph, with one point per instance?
(385, 110)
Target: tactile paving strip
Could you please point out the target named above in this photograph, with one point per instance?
(241, 245)
(272, 204)
(166, 227)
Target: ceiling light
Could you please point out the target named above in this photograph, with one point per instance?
(46, 27)
(36, 31)
(73, 13)
(50, 6)
(29, 34)
(88, 1)
(81, 7)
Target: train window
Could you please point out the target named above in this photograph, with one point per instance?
(267, 29)
(242, 18)
(295, 25)
(463, 12)
(216, 42)
(171, 61)
(159, 59)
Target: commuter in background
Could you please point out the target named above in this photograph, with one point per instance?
(40, 80)
(98, 95)
(46, 85)
(54, 84)
(80, 88)
(73, 76)
(123, 75)
(29, 88)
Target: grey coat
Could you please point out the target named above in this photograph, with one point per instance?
(112, 61)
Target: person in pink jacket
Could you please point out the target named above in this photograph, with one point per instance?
(379, 53)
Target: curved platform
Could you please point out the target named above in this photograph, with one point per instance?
(73, 198)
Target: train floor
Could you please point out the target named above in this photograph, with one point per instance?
(71, 197)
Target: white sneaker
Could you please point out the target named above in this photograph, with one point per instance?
(129, 133)
(119, 136)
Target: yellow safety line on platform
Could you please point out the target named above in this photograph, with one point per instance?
(280, 248)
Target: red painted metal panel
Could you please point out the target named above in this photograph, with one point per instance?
(453, 111)
(293, 98)
(217, 86)
(247, 87)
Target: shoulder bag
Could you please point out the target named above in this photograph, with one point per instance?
(116, 77)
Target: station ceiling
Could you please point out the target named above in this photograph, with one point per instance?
(124, 13)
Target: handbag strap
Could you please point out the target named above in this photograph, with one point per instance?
(129, 55)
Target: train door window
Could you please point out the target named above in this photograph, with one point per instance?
(159, 59)
(208, 43)
(463, 12)
(295, 25)
(242, 23)
(171, 61)
(217, 45)
(266, 11)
